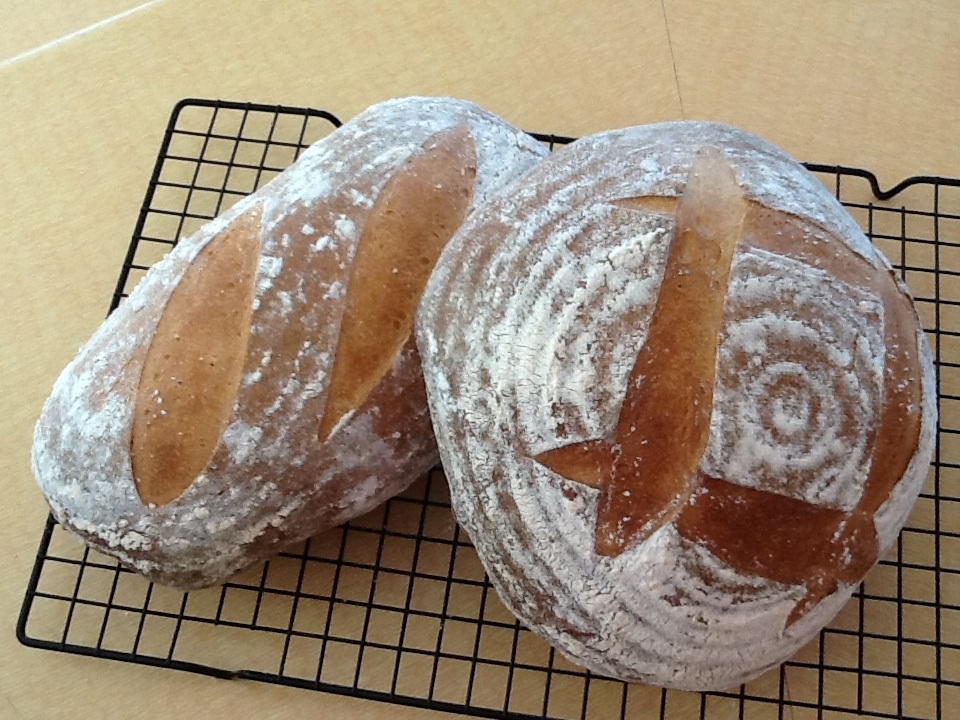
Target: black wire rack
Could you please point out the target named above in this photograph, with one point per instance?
(395, 606)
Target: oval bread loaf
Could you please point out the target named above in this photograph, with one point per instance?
(682, 402)
(261, 383)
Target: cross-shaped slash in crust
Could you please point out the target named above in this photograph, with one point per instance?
(648, 471)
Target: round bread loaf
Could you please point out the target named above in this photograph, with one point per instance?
(261, 384)
(682, 402)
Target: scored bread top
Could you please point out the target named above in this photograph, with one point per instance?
(711, 556)
(192, 368)
(284, 432)
(194, 365)
(413, 218)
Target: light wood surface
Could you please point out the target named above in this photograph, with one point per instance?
(873, 84)
(27, 31)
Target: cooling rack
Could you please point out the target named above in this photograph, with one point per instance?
(395, 606)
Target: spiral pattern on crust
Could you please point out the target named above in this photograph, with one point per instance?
(529, 329)
(554, 372)
(799, 382)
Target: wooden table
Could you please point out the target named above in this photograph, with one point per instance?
(86, 89)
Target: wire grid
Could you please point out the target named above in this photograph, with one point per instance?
(395, 605)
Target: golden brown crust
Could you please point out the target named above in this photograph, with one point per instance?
(790, 500)
(192, 370)
(664, 423)
(413, 218)
(642, 476)
(324, 239)
(641, 485)
(779, 538)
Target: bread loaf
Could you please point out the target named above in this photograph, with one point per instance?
(682, 402)
(261, 383)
